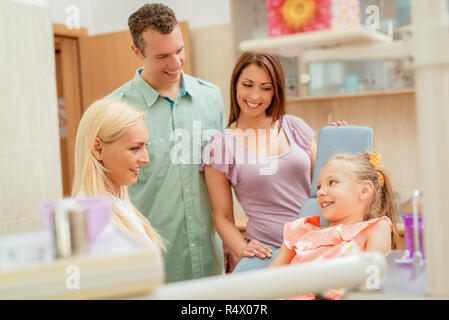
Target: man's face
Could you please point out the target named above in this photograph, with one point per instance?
(163, 56)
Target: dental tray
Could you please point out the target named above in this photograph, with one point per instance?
(117, 265)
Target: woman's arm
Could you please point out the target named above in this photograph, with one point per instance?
(221, 198)
(379, 238)
(283, 257)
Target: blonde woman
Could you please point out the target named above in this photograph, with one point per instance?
(110, 149)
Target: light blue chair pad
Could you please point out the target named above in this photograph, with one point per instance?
(338, 139)
(254, 263)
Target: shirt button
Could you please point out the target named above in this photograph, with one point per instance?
(187, 189)
(192, 245)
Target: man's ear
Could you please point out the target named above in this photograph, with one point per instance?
(97, 149)
(366, 189)
(137, 52)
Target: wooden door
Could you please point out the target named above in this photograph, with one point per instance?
(69, 103)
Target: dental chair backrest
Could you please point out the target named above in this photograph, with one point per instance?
(333, 140)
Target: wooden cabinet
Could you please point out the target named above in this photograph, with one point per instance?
(107, 62)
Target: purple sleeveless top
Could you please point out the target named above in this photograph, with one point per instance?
(269, 189)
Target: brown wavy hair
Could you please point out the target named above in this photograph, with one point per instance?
(383, 201)
(155, 16)
(272, 65)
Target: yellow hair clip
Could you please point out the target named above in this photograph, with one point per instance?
(375, 161)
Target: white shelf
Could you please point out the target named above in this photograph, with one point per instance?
(293, 45)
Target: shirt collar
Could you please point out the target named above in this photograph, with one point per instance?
(190, 85)
(151, 95)
(183, 86)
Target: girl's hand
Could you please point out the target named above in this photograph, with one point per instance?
(256, 248)
(339, 123)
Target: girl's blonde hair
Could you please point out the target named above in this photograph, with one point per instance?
(107, 119)
(383, 200)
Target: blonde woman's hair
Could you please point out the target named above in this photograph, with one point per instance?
(383, 201)
(107, 119)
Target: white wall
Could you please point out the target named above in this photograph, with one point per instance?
(111, 15)
(59, 7)
(40, 3)
(30, 170)
(103, 16)
(201, 13)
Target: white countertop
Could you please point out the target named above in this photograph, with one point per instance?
(117, 264)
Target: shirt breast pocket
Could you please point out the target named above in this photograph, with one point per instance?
(158, 150)
(159, 147)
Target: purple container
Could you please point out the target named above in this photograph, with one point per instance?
(98, 213)
(408, 233)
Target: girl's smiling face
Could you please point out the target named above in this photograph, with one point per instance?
(339, 196)
(254, 91)
(124, 156)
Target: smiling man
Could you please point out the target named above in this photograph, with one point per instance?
(173, 196)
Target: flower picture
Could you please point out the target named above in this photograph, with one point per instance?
(294, 16)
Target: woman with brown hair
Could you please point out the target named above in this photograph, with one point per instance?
(265, 155)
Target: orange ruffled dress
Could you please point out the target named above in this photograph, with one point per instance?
(326, 243)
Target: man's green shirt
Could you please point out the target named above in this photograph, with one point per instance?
(170, 191)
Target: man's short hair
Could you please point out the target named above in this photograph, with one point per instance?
(155, 16)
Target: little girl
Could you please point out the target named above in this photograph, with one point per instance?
(110, 149)
(357, 199)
